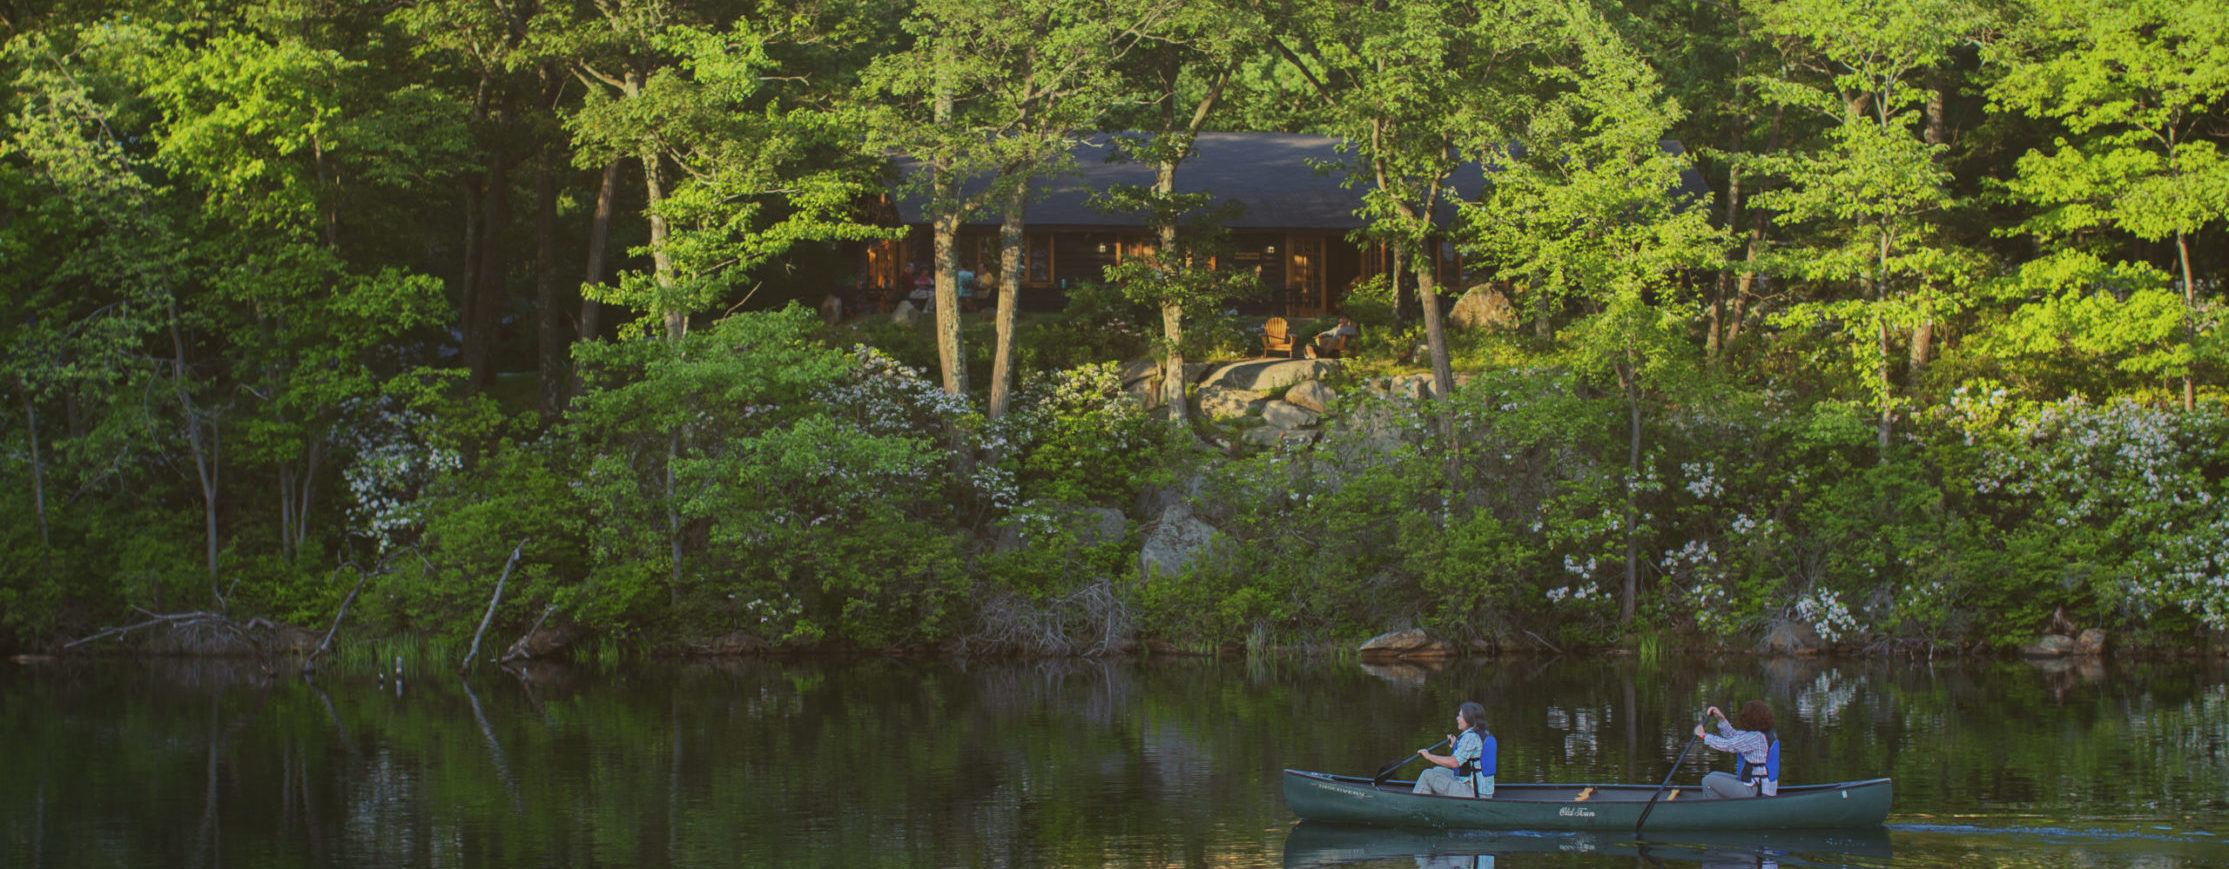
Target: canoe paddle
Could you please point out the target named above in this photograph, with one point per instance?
(1389, 768)
(1667, 780)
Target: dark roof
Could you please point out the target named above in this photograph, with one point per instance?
(1271, 174)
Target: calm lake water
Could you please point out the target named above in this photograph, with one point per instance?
(1066, 763)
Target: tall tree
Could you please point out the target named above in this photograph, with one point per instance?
(1870, 194)
(1590, 210)
(2141, 90)
(1406, 82)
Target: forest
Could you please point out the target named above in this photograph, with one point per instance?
(418, 317)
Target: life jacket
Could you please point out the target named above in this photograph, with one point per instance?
(1770, 769)
(1469, 767)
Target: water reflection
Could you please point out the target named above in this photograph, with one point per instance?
(1053, 763)
(1318, 845)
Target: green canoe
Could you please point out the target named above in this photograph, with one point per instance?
(1312, 845)
(1339, 799)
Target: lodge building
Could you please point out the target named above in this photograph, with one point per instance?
(1297, 216)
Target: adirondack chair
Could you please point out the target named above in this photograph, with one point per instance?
(1278, 339)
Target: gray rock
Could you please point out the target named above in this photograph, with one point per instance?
(905, 314)
(1147, 393)
(1138, 369)
(832, 310)
(1155, 500)
(1312, 395)
(1790, 637)
(1090, 524)
(1264, 375)
(2090, 642)
(1411, 643)
(2051, 646)
(1195, 371)
(1286, 415)
(1177, 540)
(1483, 308)
(1220, 402)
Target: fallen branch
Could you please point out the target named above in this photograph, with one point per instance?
(508, 657)
(174, 621)
(492, 602)
(1551, 646)
(310, 662)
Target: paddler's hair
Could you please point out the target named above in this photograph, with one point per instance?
(1755, 717)
(1474, 715)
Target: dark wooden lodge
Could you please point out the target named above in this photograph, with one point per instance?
(1294, 227)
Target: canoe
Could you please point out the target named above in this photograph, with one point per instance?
(1339, 799)
(1313, 845)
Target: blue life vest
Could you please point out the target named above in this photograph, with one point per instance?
(1771, 767)
(1484, 764)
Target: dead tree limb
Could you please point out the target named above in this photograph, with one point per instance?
(172, 620)
(310, 663)
(508, 657)
(492, 602)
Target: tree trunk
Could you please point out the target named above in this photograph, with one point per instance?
(1164, 186)
(549, 327)
(1172, 311)
(1009, 288)
(1629, 381)
(599, 238)
(38, 466)
(661, 260)
(2190, 308)
(205, 449)
(947, 230)
(1885, 383)
(487, 296)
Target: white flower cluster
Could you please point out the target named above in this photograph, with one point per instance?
(1713, 608)
(1824, 610)
(2136, 468)
(392, 466)
(1574, 592)
(1702, 479)
(885, 397)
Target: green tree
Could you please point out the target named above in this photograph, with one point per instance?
(1869, 196)
(2140, 89)
(1589, 210)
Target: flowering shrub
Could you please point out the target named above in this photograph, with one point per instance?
(392, 463)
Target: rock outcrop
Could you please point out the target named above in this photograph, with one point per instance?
(1409, 644)
(1177, 540)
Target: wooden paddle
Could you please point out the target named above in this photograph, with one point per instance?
(1701, 720)
(1389, 768)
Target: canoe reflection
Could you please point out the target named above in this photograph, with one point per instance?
(1315, 844)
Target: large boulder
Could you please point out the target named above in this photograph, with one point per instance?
(1286, 415)
(549, 638)
(1411, 643)
(1138, 369)
(1312, 395)
(905, 315)
(1484, 307)
(832, 309)
(1177, 540)
(1222, 402)
(2090, 642)
(1091, 526)
(1265, 375)
(1790, 637)
(2051, 646)
(1147, 392)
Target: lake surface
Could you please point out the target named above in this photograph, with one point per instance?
(879, 762)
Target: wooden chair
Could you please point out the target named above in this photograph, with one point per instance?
(1277, 338)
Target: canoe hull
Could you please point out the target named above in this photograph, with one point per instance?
(1316, 796)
